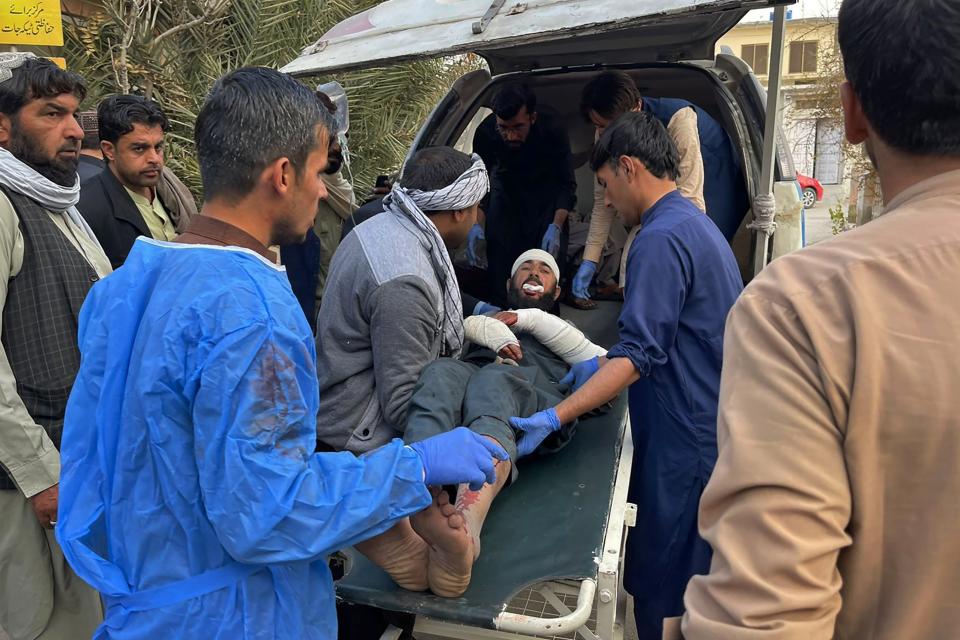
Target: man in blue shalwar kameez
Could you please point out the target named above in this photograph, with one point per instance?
(191, 496)
(682, 281)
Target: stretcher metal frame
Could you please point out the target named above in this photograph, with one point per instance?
(603, 594)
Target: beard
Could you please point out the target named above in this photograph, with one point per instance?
(61, 172)
(286, 232)
(516, 299)
(137, 179)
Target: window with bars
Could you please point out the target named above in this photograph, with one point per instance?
(803, 56)
(757, 56)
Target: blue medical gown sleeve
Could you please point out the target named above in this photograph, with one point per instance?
(657, 285)
(269, 497)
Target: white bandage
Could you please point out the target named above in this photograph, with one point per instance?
(556, 334)
(533, 288)
(489, 332)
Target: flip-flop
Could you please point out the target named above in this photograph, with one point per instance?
(584, 304)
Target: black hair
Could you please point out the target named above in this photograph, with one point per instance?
(902, 58)
(434, 168)
(610, 94)
(38, 78)
(638, 135)
(252, 117)
(511, 98)
(117, 115)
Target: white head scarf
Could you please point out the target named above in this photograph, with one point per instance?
(540, 256)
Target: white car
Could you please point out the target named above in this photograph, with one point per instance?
(557, 46)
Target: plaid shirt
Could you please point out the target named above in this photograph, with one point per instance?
(40, 315)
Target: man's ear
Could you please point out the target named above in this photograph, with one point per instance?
(626, 166)
(279, 175)
(108, 149)
(533, 118)
(855, 123)
(6, 129)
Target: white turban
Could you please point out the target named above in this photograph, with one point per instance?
(10, 61)
(540, 256)
(467, 190)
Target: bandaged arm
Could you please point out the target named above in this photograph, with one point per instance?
(488, 332)
(558, 335)
(563, 339)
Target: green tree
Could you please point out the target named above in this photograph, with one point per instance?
(173, 50)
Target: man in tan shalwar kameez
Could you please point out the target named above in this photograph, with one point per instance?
(834, 508)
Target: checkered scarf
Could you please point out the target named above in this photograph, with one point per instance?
(466, 191)
(25, 180)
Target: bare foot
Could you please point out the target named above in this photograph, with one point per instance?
(465, 500)
(451, 547)
(474, 505)
(401, 553)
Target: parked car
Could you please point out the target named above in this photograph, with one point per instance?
(557, 46)
(812, 190)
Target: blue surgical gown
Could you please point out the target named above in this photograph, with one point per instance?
(682, 280)
(190, 494)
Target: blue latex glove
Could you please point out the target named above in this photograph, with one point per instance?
(581, 281)
(483, 308)
(534, 430)
(476, 234)
(581, 372)
(551, 241)
(459, 456)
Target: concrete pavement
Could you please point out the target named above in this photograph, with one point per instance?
(818, 225)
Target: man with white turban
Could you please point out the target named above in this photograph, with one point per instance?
(539, 356)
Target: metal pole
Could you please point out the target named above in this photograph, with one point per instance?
(764, 205)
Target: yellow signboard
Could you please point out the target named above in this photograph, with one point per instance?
(35, 22)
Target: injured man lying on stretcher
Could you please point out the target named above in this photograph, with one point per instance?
(482, 390)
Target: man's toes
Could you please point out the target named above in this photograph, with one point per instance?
(455, 521)
(448, 510)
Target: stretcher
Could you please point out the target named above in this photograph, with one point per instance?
(552, 550)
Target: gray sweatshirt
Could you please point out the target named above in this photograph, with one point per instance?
(379, 326)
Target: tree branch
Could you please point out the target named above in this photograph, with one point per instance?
(209, 13)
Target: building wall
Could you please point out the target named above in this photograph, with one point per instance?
(816, 143)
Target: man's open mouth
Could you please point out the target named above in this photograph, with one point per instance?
(532, 288)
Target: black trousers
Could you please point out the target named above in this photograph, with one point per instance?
(477, 393)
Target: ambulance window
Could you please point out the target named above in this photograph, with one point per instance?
(465, 142)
